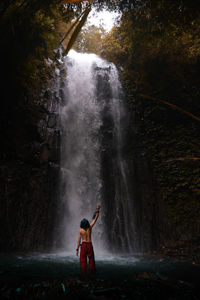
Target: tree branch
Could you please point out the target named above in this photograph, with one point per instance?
(171, 105)
(72, 26)
(183, 159)
(72, 1)
(78, 29)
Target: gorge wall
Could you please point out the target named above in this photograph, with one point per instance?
(30, 166)
(29, 123)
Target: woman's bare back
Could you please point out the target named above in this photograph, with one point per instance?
(86, 234)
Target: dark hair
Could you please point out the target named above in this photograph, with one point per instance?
(84, 224)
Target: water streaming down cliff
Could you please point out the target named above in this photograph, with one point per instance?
(80, 154)
(94, 167)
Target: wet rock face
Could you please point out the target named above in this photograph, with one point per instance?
(144, 223)
(147, 213)
(29, 169)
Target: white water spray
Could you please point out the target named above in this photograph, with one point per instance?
(82, 120)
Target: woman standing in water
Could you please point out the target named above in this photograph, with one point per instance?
(85, 234)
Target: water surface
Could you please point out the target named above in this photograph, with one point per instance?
(63, 265)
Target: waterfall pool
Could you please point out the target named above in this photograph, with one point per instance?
(66, 265)
(57, 276)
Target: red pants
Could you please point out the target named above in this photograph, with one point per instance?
(87, 251)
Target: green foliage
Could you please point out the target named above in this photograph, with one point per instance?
(29, 31)
(90, 39)
(110, 5)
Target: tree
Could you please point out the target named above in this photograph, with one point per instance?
(90, 40)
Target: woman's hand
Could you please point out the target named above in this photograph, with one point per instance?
(98, 207)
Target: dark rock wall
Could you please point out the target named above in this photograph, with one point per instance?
(147, 208)
(150, 47)
(148, 212)
(29, 166)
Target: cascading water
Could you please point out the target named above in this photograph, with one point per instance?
(80, 154)
(93, 167)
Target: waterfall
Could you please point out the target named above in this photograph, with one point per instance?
(94, 169)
